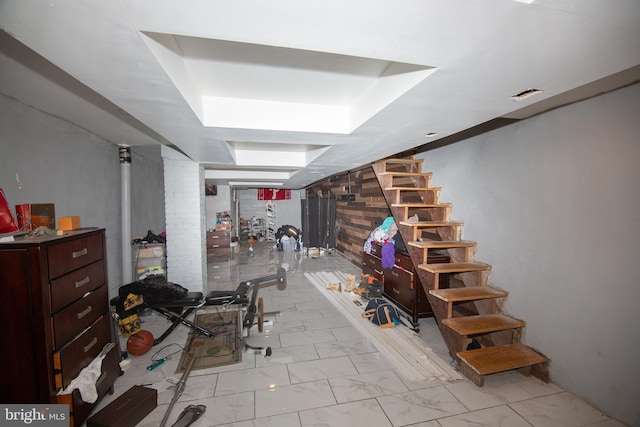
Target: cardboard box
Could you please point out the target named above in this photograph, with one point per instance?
(33, 215)
(127, 410)
(69, 223)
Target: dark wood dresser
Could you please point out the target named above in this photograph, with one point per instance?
(55, 318)
(401, 283)
(218, 243)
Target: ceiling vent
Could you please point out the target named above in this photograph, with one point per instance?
(526, 94)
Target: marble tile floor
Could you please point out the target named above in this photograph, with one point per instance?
(322, 372)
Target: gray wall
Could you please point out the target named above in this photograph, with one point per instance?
(61, 163)
(553, 203)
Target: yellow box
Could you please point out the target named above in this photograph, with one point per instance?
(69, 222)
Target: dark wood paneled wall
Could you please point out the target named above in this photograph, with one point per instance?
(354, 219)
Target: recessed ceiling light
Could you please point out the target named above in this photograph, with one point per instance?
(430, 134)
(526, 94)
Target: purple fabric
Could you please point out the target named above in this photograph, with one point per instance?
(388, 255)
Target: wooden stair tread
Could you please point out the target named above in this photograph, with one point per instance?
(402, 160)
(467, 294)
(455, 267)
(421, 205)
(416, 174)
(491, 360)
(441, 244)
(413, 188)
(427, 224)
(482, 324)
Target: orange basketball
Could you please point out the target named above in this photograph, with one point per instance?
(140, 343)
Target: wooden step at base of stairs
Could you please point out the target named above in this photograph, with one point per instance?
(475, 364)
(455, 267)
(482, 324)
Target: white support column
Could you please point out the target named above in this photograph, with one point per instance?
(125, 213)
(185, 221)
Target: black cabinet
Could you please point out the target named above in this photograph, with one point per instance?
(319, 223)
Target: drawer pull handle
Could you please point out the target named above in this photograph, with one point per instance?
(82, 282)
(93, 342)
(84, 312)
(395, 274)
(215, 237)
(78, 254)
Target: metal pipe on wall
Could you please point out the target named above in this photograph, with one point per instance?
(125, 211)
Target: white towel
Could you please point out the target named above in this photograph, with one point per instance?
(85, 382)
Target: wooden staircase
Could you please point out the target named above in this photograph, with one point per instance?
(468, 310)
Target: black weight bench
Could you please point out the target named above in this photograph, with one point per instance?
(178, 310)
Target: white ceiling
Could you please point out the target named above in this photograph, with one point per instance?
(284, 93)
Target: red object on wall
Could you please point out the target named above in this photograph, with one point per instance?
(273, 194)
(7, 223)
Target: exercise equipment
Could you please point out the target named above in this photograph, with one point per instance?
(179, 387)
(246, 295)
(195, 300)
(240, 296)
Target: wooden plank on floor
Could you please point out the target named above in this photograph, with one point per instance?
(406, 351)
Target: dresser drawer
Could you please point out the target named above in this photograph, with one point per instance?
(376, 250)
(79, 353)
(218, 252)
(79, 409)
(217, 245)
(73, 254)
(372, 262)
(403, 261)
(398, 284)
(373, 273)
(74, 285)
(78, 316)
(218, 237)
